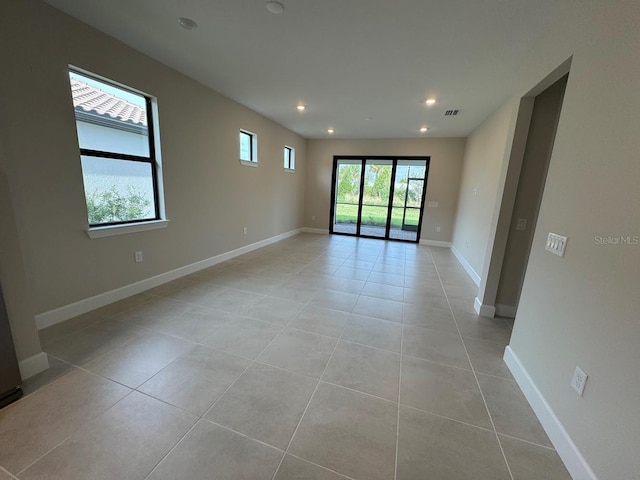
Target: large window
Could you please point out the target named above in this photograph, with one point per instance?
(248, 147)
(289, 158)
(117, 150)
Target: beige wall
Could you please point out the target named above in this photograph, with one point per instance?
(544, 120)
(209, 195)
(583, 309)
(442, 185)
(483, 171)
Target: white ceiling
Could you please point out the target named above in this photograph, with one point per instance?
(363, 67)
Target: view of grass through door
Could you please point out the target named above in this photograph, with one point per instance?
(363, 189)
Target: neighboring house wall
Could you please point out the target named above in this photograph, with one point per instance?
(210, 197)
(442, 185)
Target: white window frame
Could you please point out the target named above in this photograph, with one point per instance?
(289, 154)
(108, 230)
(253, 161)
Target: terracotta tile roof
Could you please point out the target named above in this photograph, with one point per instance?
(92, 99)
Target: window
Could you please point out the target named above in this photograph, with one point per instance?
(120, 168)
(248, 147)
(289, 158)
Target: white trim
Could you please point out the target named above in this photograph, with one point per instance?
(508, 311)
(248, 163)
(484, 310)
(320, 231)
(57, 315)
(576, 464)
(33, 365)
(466, 265)
(435, 243)
(111, 230)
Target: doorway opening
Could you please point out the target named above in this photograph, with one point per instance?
(379, 197)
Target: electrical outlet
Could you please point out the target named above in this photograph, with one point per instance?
(438, 229)
(244, 230)
(522, 224)
(432, 204)
(138, 257)
(313, 217)
(578, 380)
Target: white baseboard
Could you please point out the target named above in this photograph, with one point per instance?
(508, 311)
(321, 231)
(574, 461)
(66, 312)
(435, 243)
(469, 269)
(33, 365)
(484, 310)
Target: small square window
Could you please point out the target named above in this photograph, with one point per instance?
(248, 147)
(289, 158)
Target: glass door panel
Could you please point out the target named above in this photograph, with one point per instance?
(347, 194)
(407, 200)
(375, 200)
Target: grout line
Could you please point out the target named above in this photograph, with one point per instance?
(318, 465)
(399, 393)
(486, 406)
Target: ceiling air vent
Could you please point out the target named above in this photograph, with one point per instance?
(451, 113)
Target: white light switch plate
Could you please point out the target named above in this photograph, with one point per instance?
(433, 204)
(556, 244)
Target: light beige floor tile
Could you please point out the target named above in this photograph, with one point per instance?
(352, 273)
(126, 441)
(379, 308)
(342, 284)
(483, 328)
(510, 410)
(57, 369)
(447, 391)
(294, 292)
(139, 360)
(365, 369)
(299, 352)
(196, 323)
(196, 380)
(294, 468)
(243, 336)
(380, 290)
(234, 301)
(428, 317)
(211, 452)
(434, 448)
(531, 462)
(334, 300)
(155, 312)
(62, 329)
(487, 357)
(323, 321)
(274, 310)
(387, 279)
(265, 403)
(328, 435)
(373, 332)
(91, 342)
(35, 424)
(201, 293)
(435, 345)
(5, 476)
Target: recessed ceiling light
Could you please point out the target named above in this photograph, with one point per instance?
(430, 101)
(187, 23)
(330, 130)
(275, 7)
(423, 129)
(301, 108)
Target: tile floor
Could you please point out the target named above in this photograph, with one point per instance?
(318, 357)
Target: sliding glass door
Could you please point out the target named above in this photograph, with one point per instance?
(379, 197)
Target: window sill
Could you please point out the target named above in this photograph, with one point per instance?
(290, 170)
(248, 163)
(111, 230)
